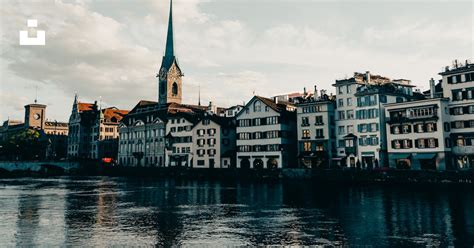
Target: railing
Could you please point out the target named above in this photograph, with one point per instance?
(463, 150)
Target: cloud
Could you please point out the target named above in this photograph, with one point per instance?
(113, 49)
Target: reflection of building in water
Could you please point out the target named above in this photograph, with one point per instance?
(408, 216)
(28, 220)
(106, 204)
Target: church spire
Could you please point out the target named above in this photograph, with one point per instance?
(169, 52)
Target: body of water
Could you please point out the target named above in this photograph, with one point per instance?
(104, 211)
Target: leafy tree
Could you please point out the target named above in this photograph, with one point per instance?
(28, 144)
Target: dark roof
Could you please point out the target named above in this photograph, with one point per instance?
(279, 107)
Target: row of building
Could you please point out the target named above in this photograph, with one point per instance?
(371, 121)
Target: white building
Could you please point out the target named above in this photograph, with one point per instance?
(316, 131)
(418, 134)
(458, 85)
(360, 117)
(179, 140)
(266, 135)
(214, 142)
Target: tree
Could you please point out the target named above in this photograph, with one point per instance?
(27, 144)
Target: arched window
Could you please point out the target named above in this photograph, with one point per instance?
(174, 89)
(257, 106)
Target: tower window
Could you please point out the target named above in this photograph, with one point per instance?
(174, 89)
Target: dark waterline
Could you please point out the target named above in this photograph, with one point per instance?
(118, 211)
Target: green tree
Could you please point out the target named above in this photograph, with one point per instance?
(28, 144)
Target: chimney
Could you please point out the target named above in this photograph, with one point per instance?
(304, 92)
(315, 95)
(367, 77)
(212, 109)
(275, 99)
(432, 88)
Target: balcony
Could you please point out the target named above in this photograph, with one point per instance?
(463, 150)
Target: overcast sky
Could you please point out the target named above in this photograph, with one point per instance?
(112, 49)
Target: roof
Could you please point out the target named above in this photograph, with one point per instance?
(458, 67)
(81, 107)
(361, 78)
(279, 107)
(114, 115)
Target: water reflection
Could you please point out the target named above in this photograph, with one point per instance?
(121, 212)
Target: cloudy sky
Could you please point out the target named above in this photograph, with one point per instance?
(112, 49)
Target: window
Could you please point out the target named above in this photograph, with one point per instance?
(306, 134)
(350, 114)
(257, 106)
(341, 91)
(341, 130)
(348, 89)
(350, 129)
(304, 121)
(320, 133)
(341, 115)
(307, 146)
(340, 103)
(318, 120)
(174, 89)
(349, 100)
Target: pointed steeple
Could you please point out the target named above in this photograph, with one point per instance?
(169, 52)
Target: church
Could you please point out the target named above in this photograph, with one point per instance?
(159, 133)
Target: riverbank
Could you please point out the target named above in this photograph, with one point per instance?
(336, 176)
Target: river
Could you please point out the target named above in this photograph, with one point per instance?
(104, 211)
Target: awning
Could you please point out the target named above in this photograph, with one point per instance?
(399, 155)
(425, 155)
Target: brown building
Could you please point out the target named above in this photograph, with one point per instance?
(93, 132)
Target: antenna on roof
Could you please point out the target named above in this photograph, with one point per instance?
(36, 94)
(199, 94)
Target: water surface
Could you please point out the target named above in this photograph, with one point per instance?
(118, 211)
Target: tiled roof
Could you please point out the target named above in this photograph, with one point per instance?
(81, 107)
(114, 115)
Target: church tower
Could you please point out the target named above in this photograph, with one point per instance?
(170, 75)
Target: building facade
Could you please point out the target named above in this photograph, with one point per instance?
(418, 134)
(214, 142)
(93, 132)
(316, 131)
(266, 134)
(458, 85)
(360, 117)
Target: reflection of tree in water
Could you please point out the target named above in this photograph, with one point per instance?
(28, 220)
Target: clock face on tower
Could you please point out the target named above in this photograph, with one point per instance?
(37, 116)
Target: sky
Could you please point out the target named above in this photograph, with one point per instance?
(111, 50)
